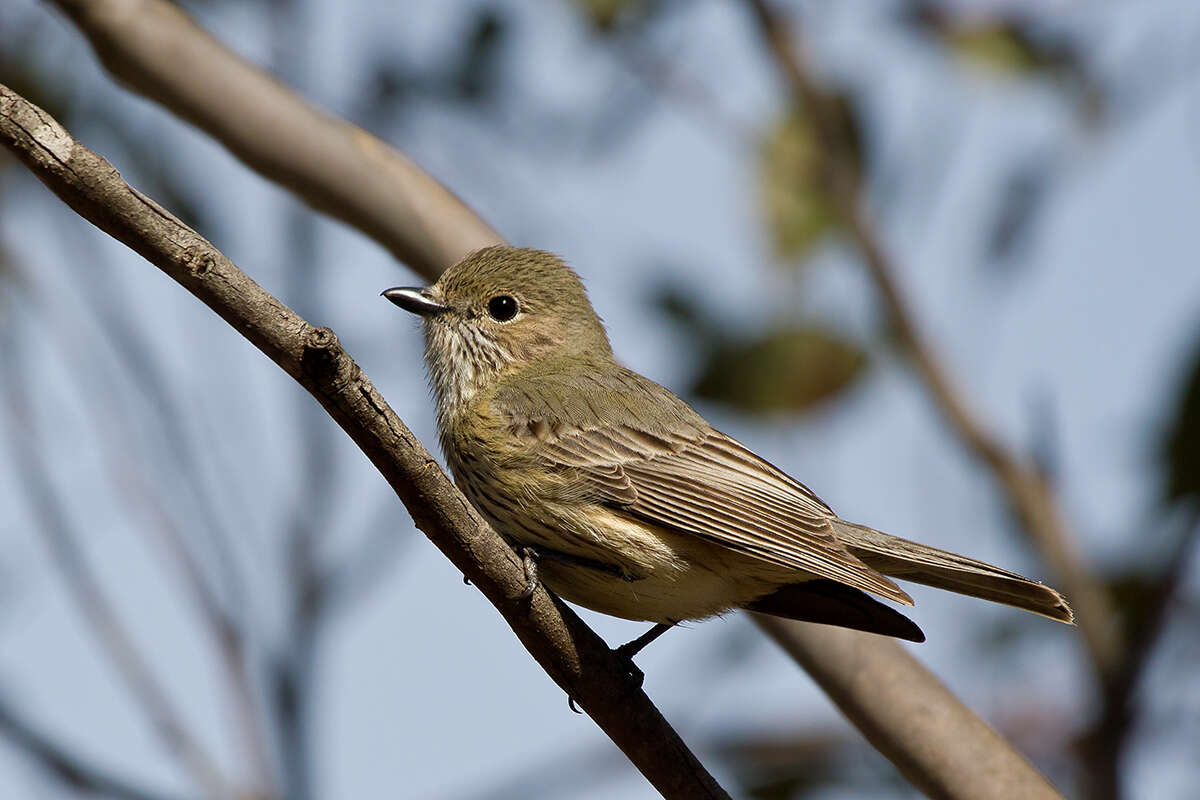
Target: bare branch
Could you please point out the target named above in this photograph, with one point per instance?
(225, 632)
(155, 49)
(70, 768)
(908, 715)
(574, 657)
(1103, 744)
(1025, 488)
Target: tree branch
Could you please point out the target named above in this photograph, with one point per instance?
(68, 767)
(1025, 488)
(909, 716)
(156, 50)
(574, 657)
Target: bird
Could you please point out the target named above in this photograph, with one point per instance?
(621, 498)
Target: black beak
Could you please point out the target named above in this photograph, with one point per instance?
(416, 300)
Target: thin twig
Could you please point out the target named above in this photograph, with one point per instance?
(71, 768)
(130, 480)
(1024, 487)
(93, 603)
(572, 655)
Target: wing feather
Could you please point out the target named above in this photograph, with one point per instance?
(710, 485)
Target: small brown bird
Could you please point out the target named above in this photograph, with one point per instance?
(621, 497)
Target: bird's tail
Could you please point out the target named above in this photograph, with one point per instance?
(900, 558)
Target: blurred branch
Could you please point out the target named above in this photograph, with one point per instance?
(1027, 492)
(908, 715)
(362, 569)
(159, 52)
(70, 768)
(688, 93)
(160, 407)
(1104, 743)
(572, 655)
(114, 431)
(92, 602)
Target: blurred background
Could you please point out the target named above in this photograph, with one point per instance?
(204, 584)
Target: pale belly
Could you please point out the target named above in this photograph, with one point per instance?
(637, 570)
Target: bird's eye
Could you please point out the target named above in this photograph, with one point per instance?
(502, 308)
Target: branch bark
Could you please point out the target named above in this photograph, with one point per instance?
(156, 50)
(1025, 488)
(908, 715)
(574, 657)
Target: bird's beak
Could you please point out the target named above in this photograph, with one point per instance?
(416, 300)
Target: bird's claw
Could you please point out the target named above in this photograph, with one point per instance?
(529, 559)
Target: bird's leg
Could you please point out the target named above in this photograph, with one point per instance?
(630, 649)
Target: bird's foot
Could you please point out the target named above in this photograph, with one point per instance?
(630, 649)
(529, 560)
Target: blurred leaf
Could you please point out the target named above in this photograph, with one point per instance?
(1132, 593)
(1002, 47)
(680, 309)
(1181, 442)
(605, 15)
(476, 75)
(790, 368)
(798, 208)
(1009, 44)
(1022, 197)
(797, 205)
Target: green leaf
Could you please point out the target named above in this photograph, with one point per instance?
(796, 200)
(796, 203)
(790, 368)
(1002, 48)
(607, 14)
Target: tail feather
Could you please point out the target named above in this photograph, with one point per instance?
(900, 558)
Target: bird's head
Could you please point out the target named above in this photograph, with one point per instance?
(502, 309)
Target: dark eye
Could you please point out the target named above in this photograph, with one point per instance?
(502, 308)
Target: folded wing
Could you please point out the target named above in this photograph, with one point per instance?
(709, 485)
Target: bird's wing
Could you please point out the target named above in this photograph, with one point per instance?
(703, 482)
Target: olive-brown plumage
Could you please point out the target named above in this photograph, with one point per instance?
(639, 508)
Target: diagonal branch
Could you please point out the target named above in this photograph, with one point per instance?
(68, 767)
(1024, 486)
(341, 170)
(574, 656)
